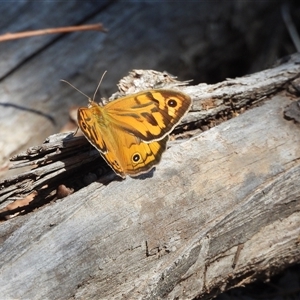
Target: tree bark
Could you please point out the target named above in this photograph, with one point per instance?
(220, 210)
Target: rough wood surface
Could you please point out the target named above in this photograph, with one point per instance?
(224, 211)
(189, 43)
(222, 208)
(212, 104)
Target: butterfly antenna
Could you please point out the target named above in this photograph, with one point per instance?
(76, 88)
(98, 85)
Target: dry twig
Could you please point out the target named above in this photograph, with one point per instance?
(25, 34)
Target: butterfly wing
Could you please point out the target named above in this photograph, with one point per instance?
(124, 152)
(93, 125)
(131, 133)
(149, 115)
(133, 157)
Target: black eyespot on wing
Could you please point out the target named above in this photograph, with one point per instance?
(172, 103)
(136, 157)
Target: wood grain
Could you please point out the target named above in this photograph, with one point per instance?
(184, 42)
(129, 240)
(220, 210)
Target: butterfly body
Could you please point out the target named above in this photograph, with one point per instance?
(131, 133)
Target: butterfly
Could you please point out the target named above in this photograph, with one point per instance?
(131, 133)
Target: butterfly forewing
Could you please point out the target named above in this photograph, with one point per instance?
(150, 115)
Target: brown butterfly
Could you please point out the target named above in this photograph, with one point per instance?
(131, 133)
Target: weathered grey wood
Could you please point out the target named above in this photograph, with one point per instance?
(36, 100)
(212, 104)
(33, 101)
(179, 239)
(179, 232)
(28, 16)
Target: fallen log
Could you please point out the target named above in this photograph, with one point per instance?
(220, 210)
